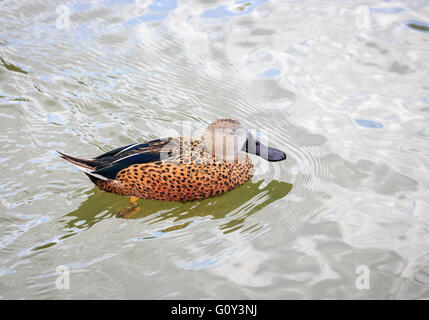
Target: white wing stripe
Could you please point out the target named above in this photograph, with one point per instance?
(131, 155)
(88, 171)
(132, 146)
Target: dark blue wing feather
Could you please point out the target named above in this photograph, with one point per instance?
(113, 152)
(111, 170)
(130, 147)
(110, 163)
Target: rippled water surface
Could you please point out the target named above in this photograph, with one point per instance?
(341, 86)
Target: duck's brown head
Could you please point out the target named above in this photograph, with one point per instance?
(226, 138)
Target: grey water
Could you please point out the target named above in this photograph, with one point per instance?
(341, 86)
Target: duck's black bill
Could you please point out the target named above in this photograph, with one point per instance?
(253, 146)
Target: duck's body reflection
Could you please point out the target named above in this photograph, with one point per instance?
(234, 207)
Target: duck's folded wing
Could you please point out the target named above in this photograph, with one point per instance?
(110, 171)
(116, 160)
(132, 147)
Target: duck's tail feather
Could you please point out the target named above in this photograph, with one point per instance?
(85, 165)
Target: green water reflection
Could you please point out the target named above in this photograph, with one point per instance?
(238, 204)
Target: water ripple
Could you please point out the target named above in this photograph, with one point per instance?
(347, 102)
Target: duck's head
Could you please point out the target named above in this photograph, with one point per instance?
(226, 138)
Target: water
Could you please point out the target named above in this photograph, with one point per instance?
(341, 86)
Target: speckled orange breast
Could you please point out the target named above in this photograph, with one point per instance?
(179, 182)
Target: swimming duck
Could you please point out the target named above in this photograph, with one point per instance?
(179, 168)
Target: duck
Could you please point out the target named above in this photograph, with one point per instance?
(179, 169)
